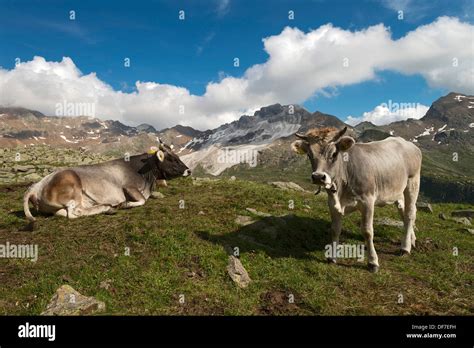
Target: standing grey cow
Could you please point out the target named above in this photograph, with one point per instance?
(358, 176)
(99, 188)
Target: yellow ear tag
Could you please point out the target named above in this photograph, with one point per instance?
(152, 150)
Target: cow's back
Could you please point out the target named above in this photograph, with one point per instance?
(382, 167)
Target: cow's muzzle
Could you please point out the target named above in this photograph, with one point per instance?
(187, 172)
(321, 179)
(318, 178)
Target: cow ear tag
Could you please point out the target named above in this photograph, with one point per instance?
(161, 156)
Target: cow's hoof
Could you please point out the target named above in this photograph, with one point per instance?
(331, 260)
(404, 253)
(373, 268)
(112, 211)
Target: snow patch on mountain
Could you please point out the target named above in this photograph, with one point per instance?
(216, 159)
(67, 140)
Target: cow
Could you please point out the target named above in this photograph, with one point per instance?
(101, 188)
(360, 176)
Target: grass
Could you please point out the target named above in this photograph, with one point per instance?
(176, 252)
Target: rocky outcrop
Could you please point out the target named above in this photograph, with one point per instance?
(67, 301)
(237, 272)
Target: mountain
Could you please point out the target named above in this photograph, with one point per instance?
(450, 119)
(145, 127)
(258, 146)
(245, 139)
(23, 127)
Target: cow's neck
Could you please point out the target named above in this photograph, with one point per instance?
(340, 178)
(150, 176)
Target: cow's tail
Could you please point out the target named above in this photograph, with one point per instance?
(26, 200)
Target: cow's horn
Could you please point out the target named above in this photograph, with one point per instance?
(340, 134)
(160, 155)
(301, 136)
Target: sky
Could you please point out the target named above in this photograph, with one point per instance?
(205, 63)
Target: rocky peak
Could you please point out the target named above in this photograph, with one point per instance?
(455, 110)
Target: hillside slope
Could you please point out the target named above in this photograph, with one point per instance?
(177, 252)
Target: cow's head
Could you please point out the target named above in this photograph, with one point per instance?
(168, 164)
(323, 146)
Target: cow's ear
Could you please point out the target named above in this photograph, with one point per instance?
(299, 146)
(160, 155)
(345, 143)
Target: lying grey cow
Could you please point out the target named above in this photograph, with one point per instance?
(98, 188)
(359, 176)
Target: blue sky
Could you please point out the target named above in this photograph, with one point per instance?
(191, 53)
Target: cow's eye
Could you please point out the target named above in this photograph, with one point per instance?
(334, 155)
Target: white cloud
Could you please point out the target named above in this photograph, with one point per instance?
(386, 113)
(299, 66)
(223, 7)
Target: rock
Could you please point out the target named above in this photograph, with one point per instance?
(423, 206)
(258, 213)
(23, 168)
(233, 178)
(462, 220)
(157, 194)
(243, 220)
(32, 177)
(388, 222)
(442, 216)
(105, 284)
(287, 185)
(67, 301)
(469, 213)
(237, 272)
(201, 213)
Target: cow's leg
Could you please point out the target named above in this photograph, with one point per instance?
(134, 198)
(72, 210)
(61, 212)
(64, 192)
(336, 226)
(401, 208)
(411, 195)
(367, 210)
(98, 209)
